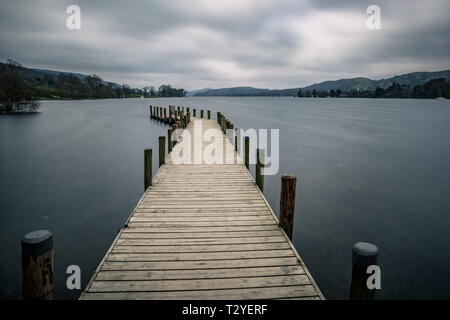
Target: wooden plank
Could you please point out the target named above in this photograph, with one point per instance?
(199, 274)
(197, 241)
(195, 256)
(224, 294)
(204, 235)
(198, 284)
(133, 248)
(201, 264)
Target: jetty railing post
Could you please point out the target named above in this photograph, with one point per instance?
(169, 140)
(287, 203)
(209, 114)
(162, 150)
(364, 254)
(201, 113)
(259, 169)
(218, 117)
(37, 265)
(147, 168)
(195, 113)
(247, 152)
(238, 141)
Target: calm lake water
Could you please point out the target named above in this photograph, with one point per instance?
(368, 170)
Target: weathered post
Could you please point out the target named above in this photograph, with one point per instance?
(195, 113)
(259, 169)
(218, 117)
(151, 111)
(209, 114)
(287, 203)
(188, 110)
(247, 152)
(188, 117)
(238, 141)
(201, 113)
(364, 254)
(37, 265)
(162, 150)
(169, 140)
(178, 108)
(147, 168)
(165, 114)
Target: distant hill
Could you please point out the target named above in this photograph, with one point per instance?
(32, 74)
(194, 92)
(410, 79)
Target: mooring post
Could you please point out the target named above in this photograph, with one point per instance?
(247, 152)
(287, 203)
(218, 117)
(259, 169)
(195, 113)
(209, 114)
(165, 114)
(175, 136)
(238, 141)
(364, 254)
(147, 168)
(162, 150)
(151, 111)
(37, 265)
(169, 140)
(188, 116)
(188, 110)
(201, 113)
(178, 109)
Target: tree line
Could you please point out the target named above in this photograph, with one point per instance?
(20, 88)
(435, 88)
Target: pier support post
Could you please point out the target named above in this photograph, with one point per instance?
(195, 113)
(364, 254)
(165, 114)
(259, 169)
(209, 114)
(37, 265)
(287, 203)
(218, 117)
(147, 168)
(169, 140)
(151, 111)
(162, 150)
(247, 152)
(201, 113)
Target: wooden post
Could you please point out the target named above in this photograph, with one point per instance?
(287, 203)
(247, 151)
(259, 168)
(195, 113)
(178, 108)
(175, 140)
(209, 114)
(162, 150)
(151, 111)
(201, 113)
(169, 140)
(218, 117)
(37, 265)
(188, 117)
(147, 168)
(188, 110)
(165, 114)
(238, 141)
(364, 254)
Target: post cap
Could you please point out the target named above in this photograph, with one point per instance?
(37, 242)
(288, 176)
(364, 254)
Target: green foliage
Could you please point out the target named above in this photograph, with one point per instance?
(16, 94)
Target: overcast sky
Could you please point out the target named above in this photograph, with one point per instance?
(206, 43)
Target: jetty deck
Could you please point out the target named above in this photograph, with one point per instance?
(202, 231)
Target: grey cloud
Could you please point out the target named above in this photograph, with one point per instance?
(199, 43)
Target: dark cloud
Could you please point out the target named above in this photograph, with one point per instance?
(199, 43)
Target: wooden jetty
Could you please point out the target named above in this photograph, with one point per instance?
(202, 231)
